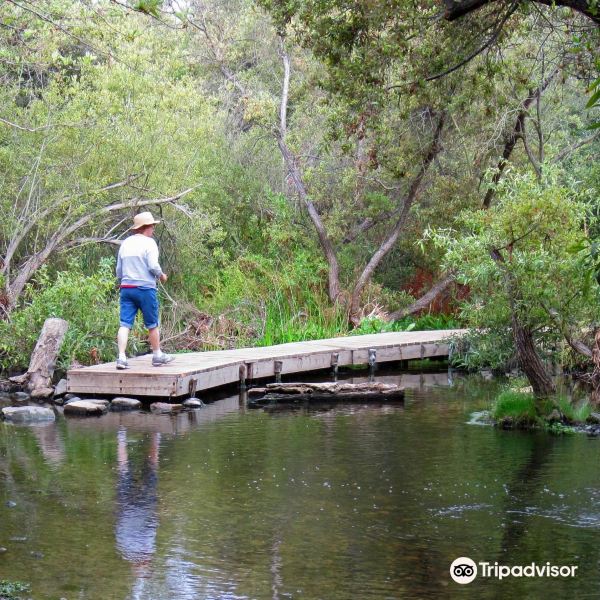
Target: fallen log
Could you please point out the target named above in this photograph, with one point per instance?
(292, 393)
(38, 378)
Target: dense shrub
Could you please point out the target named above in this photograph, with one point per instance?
(88, 302)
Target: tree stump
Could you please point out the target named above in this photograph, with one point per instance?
(38, 378)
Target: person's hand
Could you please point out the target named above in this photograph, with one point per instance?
(163, 278)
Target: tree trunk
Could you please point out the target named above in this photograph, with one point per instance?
(527, 354)
(530, 361)
(38, 378)
(596, 372)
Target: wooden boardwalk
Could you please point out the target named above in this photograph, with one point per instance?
(196, 371)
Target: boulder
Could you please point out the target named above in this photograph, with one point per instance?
(69, 398)
(20, 396)
(27, 414)
(60, 388)
(160, 408)
(99, 401)
(119, 404)
(42, 392)
(193, 403)
(85, 408)
(594, 418)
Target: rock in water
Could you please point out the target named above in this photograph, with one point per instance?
(119, 404)
(86, 408)
(42, 392)
(193, 403)
(69, 398)
(27, 414)
(160, 408)
(61, 388)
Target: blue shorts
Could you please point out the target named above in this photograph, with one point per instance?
(134, 299)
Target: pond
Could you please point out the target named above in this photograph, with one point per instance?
(352, 501)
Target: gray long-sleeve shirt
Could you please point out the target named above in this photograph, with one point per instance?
(137, 263)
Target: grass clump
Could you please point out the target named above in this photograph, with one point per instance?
(573, 413)
(515, 408)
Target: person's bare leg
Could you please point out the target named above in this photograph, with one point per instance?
(159, 358)
(154, 338)
(122, 337)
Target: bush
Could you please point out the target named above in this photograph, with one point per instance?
(422, 323)
(88, 303)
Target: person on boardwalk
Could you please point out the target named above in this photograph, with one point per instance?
(138, 270)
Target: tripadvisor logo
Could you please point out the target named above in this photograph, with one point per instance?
(464, 570)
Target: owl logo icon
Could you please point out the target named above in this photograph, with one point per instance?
(463, 570)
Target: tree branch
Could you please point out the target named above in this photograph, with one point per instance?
(426, 299)
(392, 237)
(39, 258)
(455, 9)
(514, 135)
(37, 217)
(536, 166)
(570, 149)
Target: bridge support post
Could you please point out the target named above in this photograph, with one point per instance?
(277, 367)
(335, 358)
(372, 363)
(243, 376)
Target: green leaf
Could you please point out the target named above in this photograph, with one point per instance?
(149, 7)
(593, 101)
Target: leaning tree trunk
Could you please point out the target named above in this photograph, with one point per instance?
(530, 361)
(38, 378)
(596, 373)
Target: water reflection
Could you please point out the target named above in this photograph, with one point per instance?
(50, 441)
(343, 501)
(137, 499)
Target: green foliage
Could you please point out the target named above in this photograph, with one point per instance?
(110, 94)
(558, 428)
(87, 302)
(522, 257)
(594, 101)
(288, 320)
(517, 406)
(573, 413)
(484, 349)
(10, 590)
(422, 323)
(150, 7)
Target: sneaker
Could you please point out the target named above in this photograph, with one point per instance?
(122, 364)
(163, 359)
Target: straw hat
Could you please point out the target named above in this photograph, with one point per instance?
(143, 218)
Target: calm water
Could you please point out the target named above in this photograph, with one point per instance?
(351, 502)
